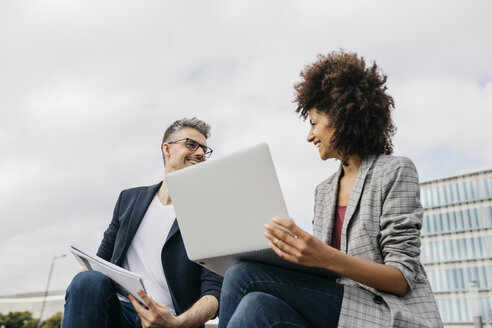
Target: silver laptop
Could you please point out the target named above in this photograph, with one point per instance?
(221, 206)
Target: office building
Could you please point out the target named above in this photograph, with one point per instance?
(457, 246)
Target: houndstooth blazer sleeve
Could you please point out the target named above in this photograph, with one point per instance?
(382, 224)
(401, 219)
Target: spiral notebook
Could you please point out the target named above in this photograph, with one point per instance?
(221, 206)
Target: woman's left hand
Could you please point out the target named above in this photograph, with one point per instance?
(301, 247)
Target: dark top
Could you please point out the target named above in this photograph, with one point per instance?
(187, 280)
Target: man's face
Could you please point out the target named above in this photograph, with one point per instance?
(177, 155)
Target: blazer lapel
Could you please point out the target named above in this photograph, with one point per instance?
(141, 204)
(173, 230)
(355, 198)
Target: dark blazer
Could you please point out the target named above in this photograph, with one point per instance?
(187, 280)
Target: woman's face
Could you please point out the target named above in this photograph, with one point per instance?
(320, 134)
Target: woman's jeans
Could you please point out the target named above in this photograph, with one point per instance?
(260, 295)
(91, 302)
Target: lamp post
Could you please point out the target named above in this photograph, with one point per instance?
(475, 304)
(47, 287)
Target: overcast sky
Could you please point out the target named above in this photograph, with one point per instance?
(87, 89)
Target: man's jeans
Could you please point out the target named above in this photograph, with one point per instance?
(91, 302)
(259, 295)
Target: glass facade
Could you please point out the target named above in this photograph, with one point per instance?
(452, 280)
(459, 310)
(457, 220)
(457, 245)
(456, 192)
(461, 249)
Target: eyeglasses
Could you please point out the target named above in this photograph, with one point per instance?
(193, 146)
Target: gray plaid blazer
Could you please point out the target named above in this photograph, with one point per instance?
(382, 224)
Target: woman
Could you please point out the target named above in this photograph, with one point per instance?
(367, 220)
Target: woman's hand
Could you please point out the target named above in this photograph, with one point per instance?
(302, 248)
(299, 247)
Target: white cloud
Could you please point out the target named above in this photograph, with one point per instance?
(87, 88)
(442, 121)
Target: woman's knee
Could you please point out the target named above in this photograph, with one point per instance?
(236, 274)
(258, 309)
(238, 269)
(246, 314)
(243, 271)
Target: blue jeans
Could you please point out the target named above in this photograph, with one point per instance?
(260, 295)
(91, 302)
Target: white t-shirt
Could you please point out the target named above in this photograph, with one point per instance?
(144, 254)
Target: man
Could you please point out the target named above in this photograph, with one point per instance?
(144, 237)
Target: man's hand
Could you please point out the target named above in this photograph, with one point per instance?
(299, 247)
(158, 315)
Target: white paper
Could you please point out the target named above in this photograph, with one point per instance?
(126, 282)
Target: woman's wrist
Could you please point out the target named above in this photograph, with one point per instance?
(331, 258)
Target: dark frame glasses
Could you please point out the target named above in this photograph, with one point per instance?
(193, 145)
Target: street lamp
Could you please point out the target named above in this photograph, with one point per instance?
(47, 287)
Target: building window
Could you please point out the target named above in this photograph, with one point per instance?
(457, 279)
(488, 216)
(486, 187)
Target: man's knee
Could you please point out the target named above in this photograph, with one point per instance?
(89, 284)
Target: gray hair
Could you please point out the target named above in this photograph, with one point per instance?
(194, 123)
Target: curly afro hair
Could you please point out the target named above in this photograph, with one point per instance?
(355, 99)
